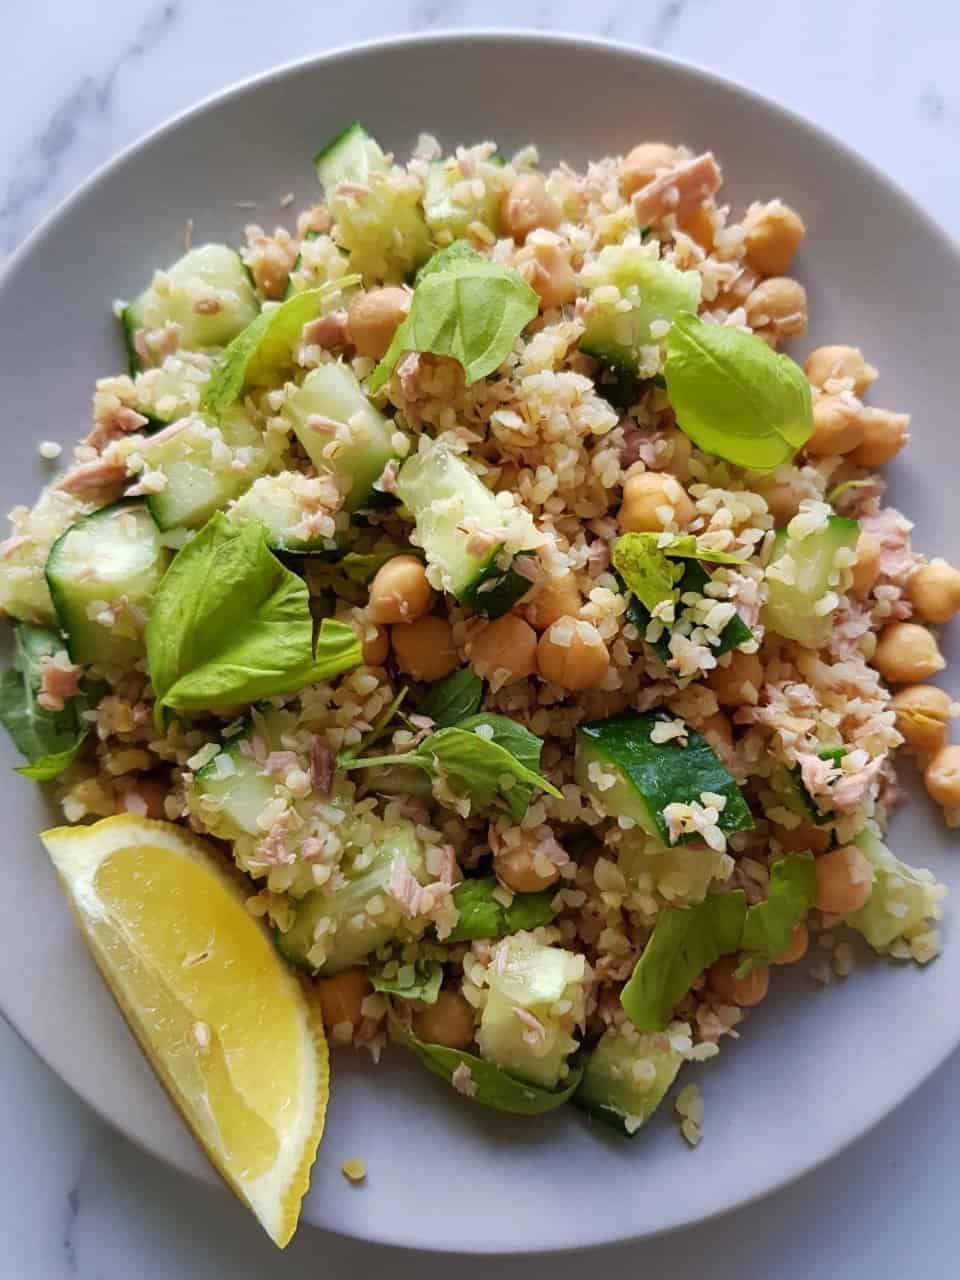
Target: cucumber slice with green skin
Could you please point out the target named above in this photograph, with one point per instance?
(206, 464)
(207, 293)
(230, 792)
(904, 899)
(647, 776)
(800, 573)
(451, 507)
(654, 292)
(616, 1088)
(358, 932)
(379, 221)
(695, 578)
(348, 438)
(351, 157)
(280, 503)
(24, 592)
(113, 558)
(451, 204)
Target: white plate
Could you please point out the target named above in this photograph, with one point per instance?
(814, 1068)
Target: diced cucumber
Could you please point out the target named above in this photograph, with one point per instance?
(801, 576)
(204, 464)
(904, 902)
(630, 290)
(103, 574)
(24, 592)
(451, 202)
(173, 390)
(335, 929)
(681, 874)
(626, 1076)
(230, 792)
(628, 775)
(376, 213)
(694, 579)
(535, 979)
(342, 432)
(207, 293)
(351, 157)
(285, 504)
(458, 522)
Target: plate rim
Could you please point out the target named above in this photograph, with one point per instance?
(946, 241)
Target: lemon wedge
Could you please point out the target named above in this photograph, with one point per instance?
(233, 1034)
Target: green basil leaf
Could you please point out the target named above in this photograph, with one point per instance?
(466, 307)
(769, 925)
(734, 397)
(262, 352)
(360, 567)
(509, 734)
(685, 942)
(480, 915)
(493, 1086)
(230, 624)
(49, 740)
(685, 546)
(419, 981)
(645, 569)
(453, 699)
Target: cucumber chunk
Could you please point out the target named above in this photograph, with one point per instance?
(335, 929)
(626, 1077)
(376, 211)
(458, 522)
(451, 202)
(631, 776)
(173, 389)
(342, 432)
(533, 978)
(804, 579)
(291, 505)
(203, 465)
(905, 901)
(103, 573)
(229, 794)
(630, 290)
(24, 592)
(207, 293)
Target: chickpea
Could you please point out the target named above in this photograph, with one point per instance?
(838, 427)
(554, 598)
(783, 500)
(728, 682)
(699, 226)
(746, 991)
(270, 267)
(505, 648)
(806, 835)
(907, 653)
(374, 316)
(773, 235)
(844, 881)
(866, 567)
(424, 649)
(797, 948)
(885, 434)
(153, 791)
(448, 1022)
(827, 364)
(399, 591)
(527, 206)
(544, 262)
(934, 591)
(519, 868)
(374, 639)
(653, 501)
(572, 654)
(644, 162)
(779, 306)
(342, 996)
(923, 714)
(942, 777)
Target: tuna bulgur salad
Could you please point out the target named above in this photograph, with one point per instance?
(469, 567)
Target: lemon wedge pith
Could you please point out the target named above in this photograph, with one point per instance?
(233, 1034)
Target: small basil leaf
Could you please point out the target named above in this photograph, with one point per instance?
(454, 699)
(480, 915)
(734, 397)
(49, 740)
(769, 925)
(418, 981)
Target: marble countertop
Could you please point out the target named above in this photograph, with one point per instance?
(82, 80)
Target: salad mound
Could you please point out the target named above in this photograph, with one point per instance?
(472, 567)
